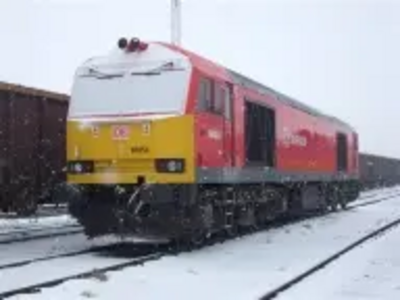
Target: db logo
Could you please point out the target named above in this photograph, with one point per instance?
(120, 132)
(95, 131)
(214, 134)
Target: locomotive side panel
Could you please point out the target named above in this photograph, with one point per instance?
(257, 112)
(353, 154)
(215, 116)
(209, 139)
(305, 140)
(306, 143)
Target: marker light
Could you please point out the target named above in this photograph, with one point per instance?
(133, 45)
(136, 45)
(173, 165)
(122, 43)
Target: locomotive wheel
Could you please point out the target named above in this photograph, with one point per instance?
(345, 198)
(190, 241)
(231, 231)
(343, 202)
(334, 200)
(200, 235)
(198, 238)
(333, 205)
(323, 201)
(343, 205)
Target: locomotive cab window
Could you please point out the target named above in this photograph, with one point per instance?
(219, 97)
(227, 102)
(214, 97)
(204, 95)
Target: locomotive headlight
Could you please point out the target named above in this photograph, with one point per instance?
(80, 167)
(172, 165)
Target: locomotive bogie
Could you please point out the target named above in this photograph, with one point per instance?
(175, 211)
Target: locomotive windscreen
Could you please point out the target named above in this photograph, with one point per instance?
(156, 82)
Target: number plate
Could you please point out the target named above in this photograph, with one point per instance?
(120, 132)
(95, 131)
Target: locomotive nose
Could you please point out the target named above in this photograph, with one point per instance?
(141, 149)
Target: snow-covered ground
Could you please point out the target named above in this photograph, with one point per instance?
(244, 268)
(16, 252)
(7, 225)
(372, 271)
(377, 193)
(48, 270)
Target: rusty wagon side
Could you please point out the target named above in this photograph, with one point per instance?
(32, 143)
(377, 170)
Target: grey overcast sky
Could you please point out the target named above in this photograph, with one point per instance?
(341, 56)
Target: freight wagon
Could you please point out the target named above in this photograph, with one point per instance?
(32, 143)
(378, 171)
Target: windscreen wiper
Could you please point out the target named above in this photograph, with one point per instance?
(101, 75)
(146, 73)
(168, 66)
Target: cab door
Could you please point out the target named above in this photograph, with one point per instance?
(228, 136)
(223, 108)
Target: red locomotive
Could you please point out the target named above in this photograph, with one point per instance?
(162, 141)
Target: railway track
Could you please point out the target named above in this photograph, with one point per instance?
(293, 220)
(52, 257)
(38, 233)
(112, 247)
(378, 191)
(157, 252)
(272, 294)
(89, 272)
(374, 201)
(43, 211)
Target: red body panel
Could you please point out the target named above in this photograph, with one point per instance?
(304, 142)
(209, 141)
(316, 154)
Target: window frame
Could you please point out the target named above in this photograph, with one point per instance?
(219, 93)
(204, 94)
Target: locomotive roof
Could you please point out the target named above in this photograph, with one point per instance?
(245, 81)
(30, 91)
(262, 89)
